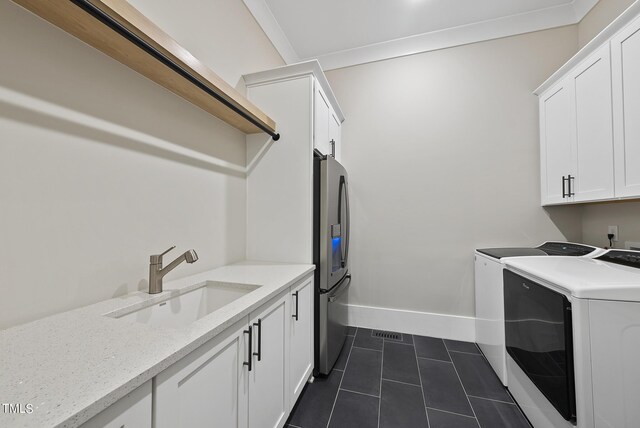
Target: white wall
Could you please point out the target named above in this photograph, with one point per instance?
(85, 201)
(442, 151)
(222, 33)
(599, 17)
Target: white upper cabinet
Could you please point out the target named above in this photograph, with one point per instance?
(321, 114)
(591, 84)
(625, 54)
(576, 134)
(335, 135)
(589, 127)
(557, 138)
(326, 125)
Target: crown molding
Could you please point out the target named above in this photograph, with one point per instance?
(272, 29)
(625, 18)
(292, 71)
(542, 19)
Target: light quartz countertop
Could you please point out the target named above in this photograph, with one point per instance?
(72, 365)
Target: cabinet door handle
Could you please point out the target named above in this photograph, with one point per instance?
(569, 178)
(248, 363)
(295, 316)
(564, 191)
(259, 325)
(333, 147)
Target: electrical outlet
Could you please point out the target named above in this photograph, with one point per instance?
(613, 230)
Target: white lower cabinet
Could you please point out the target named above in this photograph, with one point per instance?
(301, 349)
(131, 411)
(208, 387)
(268, 392)
(248, 376)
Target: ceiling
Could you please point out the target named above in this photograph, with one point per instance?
(341, 33)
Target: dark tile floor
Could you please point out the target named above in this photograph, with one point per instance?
(411, 382)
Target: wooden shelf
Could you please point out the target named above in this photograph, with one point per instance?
(122, 32)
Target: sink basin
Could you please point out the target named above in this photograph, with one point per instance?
(185, 308)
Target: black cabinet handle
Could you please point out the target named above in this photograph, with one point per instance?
(569, 178)
(297, 298)
(564, 190)
(249, 332)
(259, 325)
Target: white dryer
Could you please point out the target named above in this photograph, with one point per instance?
(572, 329)
(489, 263)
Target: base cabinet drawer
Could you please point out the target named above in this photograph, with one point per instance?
(131, 411)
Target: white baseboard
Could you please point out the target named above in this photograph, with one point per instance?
(423, 323)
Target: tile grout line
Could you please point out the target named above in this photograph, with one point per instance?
(404, 383)
(435, 359)
(398, 342)
(368, 349)
(424, 400)
(462, 385)
(341, 378)
(462, 352)
(358, 392)
(453, 413)
(491, 399)
(380, 391)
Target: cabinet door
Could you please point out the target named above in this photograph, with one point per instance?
(321, 114)
(268, 381)
(625, 62)
(594, 128)
(131, 411)
(208, 387)
(335, 134)
(301, 338)
(557, 140)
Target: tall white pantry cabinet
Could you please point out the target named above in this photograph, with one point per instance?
(280, 174)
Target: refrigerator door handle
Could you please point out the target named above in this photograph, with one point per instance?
(340, 288)
(347, 223)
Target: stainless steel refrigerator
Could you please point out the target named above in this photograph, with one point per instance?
(331, 257)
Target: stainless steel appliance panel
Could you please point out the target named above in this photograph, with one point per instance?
(334, 223)
(331, 256)
(333, 324)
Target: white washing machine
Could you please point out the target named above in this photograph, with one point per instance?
(572, 330)
(489, 263)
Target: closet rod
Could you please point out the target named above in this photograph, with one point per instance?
(112, 23)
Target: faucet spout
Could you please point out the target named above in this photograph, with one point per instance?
(157, 272)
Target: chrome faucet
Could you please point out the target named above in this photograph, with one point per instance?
(156, 272)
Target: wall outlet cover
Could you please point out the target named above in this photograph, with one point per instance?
(613, 230)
